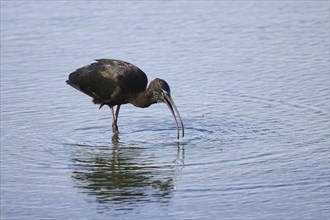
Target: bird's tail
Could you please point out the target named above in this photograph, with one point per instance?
(79, 80)
(76, 80)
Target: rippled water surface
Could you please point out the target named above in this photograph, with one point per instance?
(251, 81)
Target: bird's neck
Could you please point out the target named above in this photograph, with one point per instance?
(144, 99)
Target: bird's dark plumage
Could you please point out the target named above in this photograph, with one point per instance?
(110, 82)
(114, 82)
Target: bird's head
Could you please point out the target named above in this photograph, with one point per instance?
(160, 89)
(162, 93)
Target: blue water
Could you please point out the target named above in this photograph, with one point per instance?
(251, 81)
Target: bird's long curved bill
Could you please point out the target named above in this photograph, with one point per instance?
(170, 103)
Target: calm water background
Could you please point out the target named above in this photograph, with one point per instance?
(251, 80)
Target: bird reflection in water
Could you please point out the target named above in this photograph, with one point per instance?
(122, 176)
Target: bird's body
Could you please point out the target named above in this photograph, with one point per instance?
(109, 82)
(114, 82)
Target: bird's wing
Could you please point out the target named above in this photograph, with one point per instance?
(109, 81)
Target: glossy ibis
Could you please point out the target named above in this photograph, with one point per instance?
(115, 82)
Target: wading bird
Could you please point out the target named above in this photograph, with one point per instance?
(115, 82)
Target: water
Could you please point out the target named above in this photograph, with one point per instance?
(251, 81)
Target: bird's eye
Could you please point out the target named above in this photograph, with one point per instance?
(164, 92)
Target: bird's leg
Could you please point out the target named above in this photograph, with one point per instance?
(117, 112)
(114, 121)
